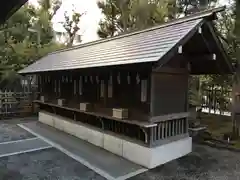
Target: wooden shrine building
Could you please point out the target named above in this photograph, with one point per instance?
(129, 94)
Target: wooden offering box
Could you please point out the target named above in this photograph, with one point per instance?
(120, 113)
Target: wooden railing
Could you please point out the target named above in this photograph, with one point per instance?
(169, 130)
(144, 132)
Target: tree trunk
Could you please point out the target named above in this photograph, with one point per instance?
(235, 108)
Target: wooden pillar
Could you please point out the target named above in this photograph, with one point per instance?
(151, 136)
(236, 107)
(162, 125)
(105, 91)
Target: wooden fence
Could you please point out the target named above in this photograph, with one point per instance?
(216, 101)
(16, 104)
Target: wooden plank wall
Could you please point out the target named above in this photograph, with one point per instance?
(122, 89)
(169, 93)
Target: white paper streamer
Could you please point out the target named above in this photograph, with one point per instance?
(129, 79)
(118, 78)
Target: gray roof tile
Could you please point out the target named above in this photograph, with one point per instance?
(145, 46)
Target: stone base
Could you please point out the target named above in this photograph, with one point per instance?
(147, 157)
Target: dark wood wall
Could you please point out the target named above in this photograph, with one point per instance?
(168, 93)
(169, 88)
(115, 87)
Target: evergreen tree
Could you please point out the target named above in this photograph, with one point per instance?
(121, 16)
(18, 46)
(191, 6)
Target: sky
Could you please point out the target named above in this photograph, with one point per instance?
(89, 22)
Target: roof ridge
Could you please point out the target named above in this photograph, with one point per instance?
(198, 15)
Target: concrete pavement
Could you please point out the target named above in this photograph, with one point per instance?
(22, 146)
(104, 163)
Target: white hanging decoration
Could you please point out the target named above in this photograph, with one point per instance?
(143, 90)
(55, 86)
(138, 78)
(102, 88)
(80, 85)
(200, 30)
(40, 80)
(110, 79)
(91, 79)
(85, 78)
(66, 78)
(59, 86)
(110, 87)
(180, 50)
(129, 79)
(62, 78)
(118, 78)
(189, 66)
(110, 90)
(97, 79)
(48, 78)
(74, 87)
(40, 84)
(214, 56)
(70, 79)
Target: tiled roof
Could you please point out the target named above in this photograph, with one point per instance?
(149, 45)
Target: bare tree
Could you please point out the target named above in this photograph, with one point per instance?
(71, 25)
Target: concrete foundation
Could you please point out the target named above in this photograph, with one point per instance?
(147, 157)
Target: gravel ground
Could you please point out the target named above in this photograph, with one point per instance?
(11, 132)
(204, 163)
(48, 164)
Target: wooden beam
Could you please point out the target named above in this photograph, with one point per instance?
(168, 117)
(171, 70)
(144, 124)
(200, 57)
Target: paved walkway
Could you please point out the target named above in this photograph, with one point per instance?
(22, 146)
(204, 163)
(104, 163)
(25, 156)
